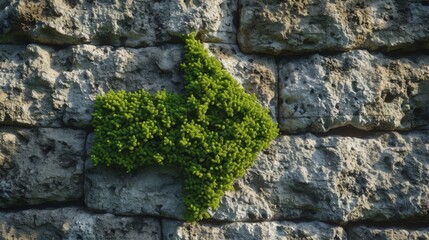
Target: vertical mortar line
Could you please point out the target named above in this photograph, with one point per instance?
(236, 22)
(346, 228)
(85, 156)
(161, 229)
(277, 60)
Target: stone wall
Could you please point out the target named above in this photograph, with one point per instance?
(346, 80)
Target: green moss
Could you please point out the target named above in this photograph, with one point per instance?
(214, 131)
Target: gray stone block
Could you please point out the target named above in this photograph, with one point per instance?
(356, 88)
(40, 165)
(388, 233)
(379, 177)
(46, 87)
(172, 230)
(76, 223)
(138, 23)
(296, 27)
(153, 191)
(383, 176)
(43, 86)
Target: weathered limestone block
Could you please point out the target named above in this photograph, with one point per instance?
(43, 86)
(119, 23)
(376, 233)
(75, 223)
(40, 165)
(356, 88)
(383, 176)
(155, 190)
(334, 179)
(257, 74)
(172, 230)
(293, 27)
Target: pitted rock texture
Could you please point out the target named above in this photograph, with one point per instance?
(42, 86)
(173, 230)
(357, 88)
(40, 165)
(334, 179)
(75, 223)
(119, 23)
(388, 233)
(154, 191)
(295, 27)
(384, 176)
(347, 81)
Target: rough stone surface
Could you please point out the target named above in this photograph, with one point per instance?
(118, 23)
(348, 80)
(390, 233)
(258, 231)
(384, 176)
(292, 27)
(155, 191)
(334, 179)
(46, 87)
(356, 88)
(75, 223)
(40, 165)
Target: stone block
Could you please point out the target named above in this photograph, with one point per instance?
(296, 27)
(154, 191)
(357, 88)
(75, 223)
(388, 233)
(376, 177)
(138, 23)
(40, 165)
(172, 230)
(380, 177)
(43, 86)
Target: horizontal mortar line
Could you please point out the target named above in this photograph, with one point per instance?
(393, 54)
(408, 224)
(334, 116)
(25, 126)
(293, 220)
(352, 131)
(333, 131)
(134, 215)
(280, 57)
(61, 46)
(45, 206)
(398, 224)
(92, 6)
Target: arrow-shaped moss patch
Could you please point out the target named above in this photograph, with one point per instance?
(213, 132)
